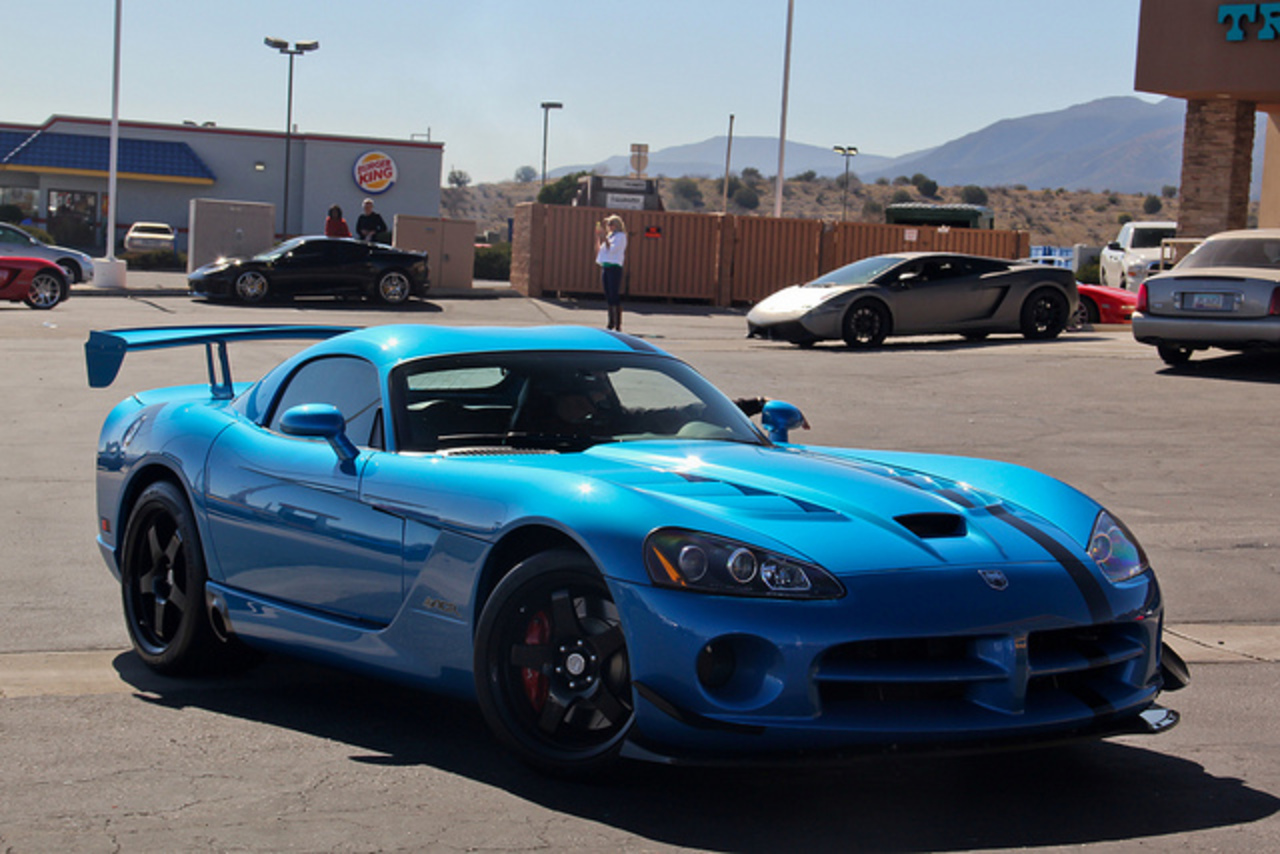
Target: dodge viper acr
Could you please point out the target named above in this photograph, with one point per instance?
(580, 532)
(919, 293)
(38, 283)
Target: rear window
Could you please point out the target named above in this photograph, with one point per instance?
(1235, 252)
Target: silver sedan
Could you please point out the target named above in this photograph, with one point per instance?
(919, 293)
(14, 241)
(1225, 294)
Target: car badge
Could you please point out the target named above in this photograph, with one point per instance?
(995, 579)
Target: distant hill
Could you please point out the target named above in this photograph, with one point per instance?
(1124, 144)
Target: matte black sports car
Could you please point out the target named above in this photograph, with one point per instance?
(316, 265)
(919, 293)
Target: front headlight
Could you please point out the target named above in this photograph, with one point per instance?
(687, 560)
(1115, 550)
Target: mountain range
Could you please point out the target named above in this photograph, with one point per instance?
(1123, 144)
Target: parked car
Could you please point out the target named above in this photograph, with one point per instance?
(1126, 261)
(149, 236)
(917, 293)
(316, 265)
(1224, 294)
(14, 241)
(35, 281)
(579, 531)
(1102, 304)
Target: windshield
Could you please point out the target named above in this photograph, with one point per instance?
(857, 273)
(280, 250)
(1149, 238)
(1235, 252)
(558, 401)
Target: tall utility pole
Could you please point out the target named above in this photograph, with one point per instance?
(298, 49)
(547, 107)
(782, 130)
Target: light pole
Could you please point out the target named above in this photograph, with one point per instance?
(547, 107)
(297, 49)
(848, 151)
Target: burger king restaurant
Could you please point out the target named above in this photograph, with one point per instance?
(1223, 59)
(57, 173)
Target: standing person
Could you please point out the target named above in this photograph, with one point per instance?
(335, 225)
(611, 250)
(369, 224)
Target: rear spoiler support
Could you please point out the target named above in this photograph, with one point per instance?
(104, 352)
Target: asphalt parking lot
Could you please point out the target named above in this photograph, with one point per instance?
(100, 755)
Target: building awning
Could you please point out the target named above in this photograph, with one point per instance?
(78, 154)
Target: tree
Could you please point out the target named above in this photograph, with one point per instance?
(685, 194)
(808, 175)
(1123, 218)
(972, 194)
(560, 192)
(458, 178)
(1152, 205)
(928, 188)
(899, 196)
(1169, 191)
(526, 174)
(746, 198)
(751, 176)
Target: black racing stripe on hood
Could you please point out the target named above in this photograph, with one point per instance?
(1086, 582)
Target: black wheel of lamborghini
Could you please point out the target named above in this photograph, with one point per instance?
(163, 578)
(1044, 314)
(392, 288)
(551, 667)
(252, 287)
(866, 324)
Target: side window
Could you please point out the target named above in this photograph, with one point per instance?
(347, 383)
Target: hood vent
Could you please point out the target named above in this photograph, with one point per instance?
(933, 526)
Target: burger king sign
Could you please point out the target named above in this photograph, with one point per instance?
(374, 172)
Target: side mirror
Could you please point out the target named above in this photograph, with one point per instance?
(780, 417)
(1115, 246)
(320, 421)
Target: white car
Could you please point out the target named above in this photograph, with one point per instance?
(16, 242)
(1126, 261)
(148, 236)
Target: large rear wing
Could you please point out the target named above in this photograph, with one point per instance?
(104, 352)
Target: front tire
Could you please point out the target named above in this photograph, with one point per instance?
(866, 324)
(551, 668)
(252, 287)
(47, 290)
(162, 582)
(392, 288)
(1044, 315)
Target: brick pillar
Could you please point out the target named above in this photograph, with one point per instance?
(1217, 159)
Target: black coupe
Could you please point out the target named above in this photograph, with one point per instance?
(316, 265)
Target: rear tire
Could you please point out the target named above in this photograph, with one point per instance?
(1044, 314)
(1174, 357)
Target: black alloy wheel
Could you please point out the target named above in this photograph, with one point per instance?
(1044, 314)
(163, 579)
(866, 324)
(551, 668)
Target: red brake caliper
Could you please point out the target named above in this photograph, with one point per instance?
(538, 633)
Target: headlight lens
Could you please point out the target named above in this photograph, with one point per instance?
(1115, 550)
(688, 560)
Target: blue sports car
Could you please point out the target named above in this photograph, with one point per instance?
(579, 531)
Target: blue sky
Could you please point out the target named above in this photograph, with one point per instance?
(889, 76)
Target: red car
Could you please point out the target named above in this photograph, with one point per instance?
(35, 281)
(1102, 304)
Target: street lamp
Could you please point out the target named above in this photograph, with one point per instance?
(848, 151)
(547, 107)
(297, 49)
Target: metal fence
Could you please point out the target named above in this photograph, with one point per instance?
(717, 258)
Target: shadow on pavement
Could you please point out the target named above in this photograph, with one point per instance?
(1091, 792)
(1240, 367)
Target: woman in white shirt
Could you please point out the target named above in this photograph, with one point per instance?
(611, 250)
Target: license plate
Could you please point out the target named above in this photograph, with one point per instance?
(1207, 302)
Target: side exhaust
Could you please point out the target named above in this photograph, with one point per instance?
(219, 621)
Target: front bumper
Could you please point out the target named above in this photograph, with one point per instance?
(900, 662)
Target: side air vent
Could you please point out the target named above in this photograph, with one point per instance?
(932, 526)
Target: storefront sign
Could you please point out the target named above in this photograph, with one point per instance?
(624, 201)
(374, 172)
(1266, 17)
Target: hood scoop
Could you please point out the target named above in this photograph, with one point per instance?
(933, 526)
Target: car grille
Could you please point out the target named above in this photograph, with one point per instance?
(913, 679)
